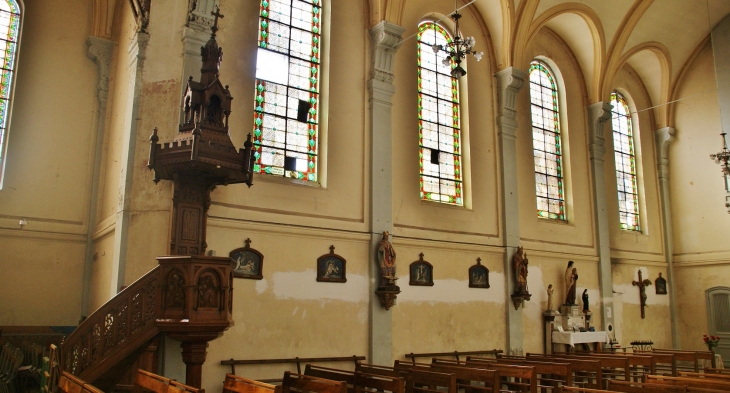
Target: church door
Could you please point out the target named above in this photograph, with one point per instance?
(718, 312)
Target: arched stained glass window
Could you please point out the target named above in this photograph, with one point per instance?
(625, 157)
(9, 34)
(439, 137)
(546, 144)
(287, 101)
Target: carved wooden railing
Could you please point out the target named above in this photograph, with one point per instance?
(187, 297)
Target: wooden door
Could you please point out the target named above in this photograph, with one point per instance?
(718, 312)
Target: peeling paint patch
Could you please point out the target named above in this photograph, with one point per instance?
(262, 286)
(453, 291)
(304, 286)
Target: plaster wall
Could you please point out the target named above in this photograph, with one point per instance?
(692, 282)
(49, 158)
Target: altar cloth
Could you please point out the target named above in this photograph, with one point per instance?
(572, 338)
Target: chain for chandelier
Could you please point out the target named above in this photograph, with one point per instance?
(458, 48)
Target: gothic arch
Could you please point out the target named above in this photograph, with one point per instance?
(652, 63)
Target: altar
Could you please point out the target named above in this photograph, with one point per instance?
(572, 338)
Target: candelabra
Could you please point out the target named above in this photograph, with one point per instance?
(457, 49)
(722, 158)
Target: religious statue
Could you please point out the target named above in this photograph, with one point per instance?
(386, 260)
(550, 291)
(571, 278)
(520, 265)
(585, 300)
(642, 284)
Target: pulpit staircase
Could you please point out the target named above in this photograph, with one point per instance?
(188, 298)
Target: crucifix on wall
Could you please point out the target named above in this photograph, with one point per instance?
(642, 284)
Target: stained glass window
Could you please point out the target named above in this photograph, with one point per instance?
(9, 30)
(625, 157)
(287, 101)
(546, 145)
(439, 136)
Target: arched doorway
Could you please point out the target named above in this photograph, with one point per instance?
(718, 314)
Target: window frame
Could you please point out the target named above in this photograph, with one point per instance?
(5, 120)
(544, 67)
(456, 148)
(316, 160)
(635, 164)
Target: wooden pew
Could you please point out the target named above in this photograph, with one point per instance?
(550, 375)
(419, 380)
(379, 370)
(718, 376)
(145, 381)
(640, 365)
(297, 360)
(615, 367)
(717, 370)
(69, 383)
(304, 383)
(691, 357)
(523, 377)
(332, 374)
(455, 354)
(703, 383)
(379, 383)
(236, 384)
(586, 373)
(487, 381)
(639, 387)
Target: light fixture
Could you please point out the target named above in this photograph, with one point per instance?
(722, 158)
(457, 49)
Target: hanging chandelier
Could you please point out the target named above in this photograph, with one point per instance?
(457, 49)
(722, 158)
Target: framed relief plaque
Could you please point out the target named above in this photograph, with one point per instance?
(421, 272)
(478, 275)
(331, 267)
(249, 263)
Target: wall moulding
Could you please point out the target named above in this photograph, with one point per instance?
(718, 262)
(285, 212)
(437, 230)
(444, 245)
(636, 262)
(62, 237)
(286, 229)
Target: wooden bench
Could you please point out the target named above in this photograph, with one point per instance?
(718, 376)
(586, 373)
(379, 370)
(703, 383)
(332, 374)
(455, 354)
(304, 383)
(717, 370)
(549, 375)
(236, 384)
(685, 356)
(145, 381)
(297, 360)
(69, 383)
(511, 376)
(426, 381)
(472, 380)
(611, 367)
(639, 387)
(379, 383)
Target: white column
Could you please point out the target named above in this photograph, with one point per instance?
(137, 51)
(386, 38)
(598, 113)
(509, 83)
(665, 136)
(100, 51)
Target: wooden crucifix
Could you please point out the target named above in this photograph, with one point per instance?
(642, 284)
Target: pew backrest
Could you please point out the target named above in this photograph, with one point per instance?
(704, 383)
(378, 370)
(466, 375)
(509, 371)
(147, 381)
(420, 380)
(304, 383)
(380, 383)
(638, 387)
(236, 384)
(69, 383)
(331, 373)
(721, 377)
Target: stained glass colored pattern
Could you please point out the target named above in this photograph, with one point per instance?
(546, 144)
(625, 157)
(287, 101)
(439, 132)
(9, 30)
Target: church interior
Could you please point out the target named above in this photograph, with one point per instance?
(492, 148)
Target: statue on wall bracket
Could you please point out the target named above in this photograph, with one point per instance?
(387, 290)
(519, 263)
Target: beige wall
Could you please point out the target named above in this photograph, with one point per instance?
(47, 175)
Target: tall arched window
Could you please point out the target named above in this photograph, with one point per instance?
(287, 101)
(10, 17)
(439, 135)
(546, 144)
(625, 157)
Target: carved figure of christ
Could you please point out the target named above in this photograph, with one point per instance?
(642, 284)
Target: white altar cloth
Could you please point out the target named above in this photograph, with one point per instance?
(572, 338)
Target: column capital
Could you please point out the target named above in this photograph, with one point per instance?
(138, 50)
(100, 52)
(664, 137)
(509, 83)
(598, 113)
(199, 17)
(386, 38)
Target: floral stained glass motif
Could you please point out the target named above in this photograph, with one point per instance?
(546, 145)
(9, 31)
(287, 101)
(625, 157)
(439, 134)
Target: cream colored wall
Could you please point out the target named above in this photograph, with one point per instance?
(700, 218)
(48, 168)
